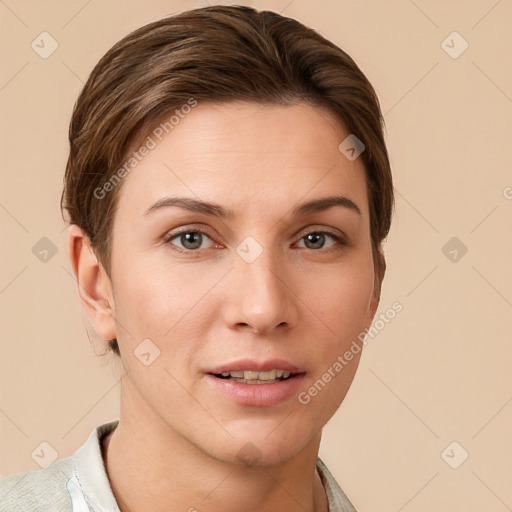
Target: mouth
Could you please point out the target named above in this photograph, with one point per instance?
(256, 383)
(257, 377)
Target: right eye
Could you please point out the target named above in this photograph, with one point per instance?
(190, 239)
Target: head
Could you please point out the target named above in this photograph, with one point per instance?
(251, 111)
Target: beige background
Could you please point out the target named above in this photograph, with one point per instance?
(439, 372)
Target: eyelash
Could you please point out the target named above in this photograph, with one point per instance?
(338, 239)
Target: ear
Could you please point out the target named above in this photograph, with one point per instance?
(379, 271)
(94, 286)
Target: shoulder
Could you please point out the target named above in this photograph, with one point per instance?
(37, 491)
(72, 484)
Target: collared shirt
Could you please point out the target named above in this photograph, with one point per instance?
(79, 483)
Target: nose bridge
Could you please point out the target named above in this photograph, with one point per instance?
(262, 298)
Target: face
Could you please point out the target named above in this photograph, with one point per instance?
(255, 281)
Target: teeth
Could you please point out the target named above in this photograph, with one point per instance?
(252, 375)
(271, 375)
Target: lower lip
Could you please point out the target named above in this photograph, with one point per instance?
(258, 395)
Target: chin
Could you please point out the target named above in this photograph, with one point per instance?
(259, 451)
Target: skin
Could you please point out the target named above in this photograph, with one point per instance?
(178, 438)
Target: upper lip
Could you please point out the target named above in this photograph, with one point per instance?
(256, 366)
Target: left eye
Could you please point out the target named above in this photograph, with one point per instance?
(316, 238)
(192, 240)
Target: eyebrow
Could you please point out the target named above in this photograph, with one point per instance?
(216, 210)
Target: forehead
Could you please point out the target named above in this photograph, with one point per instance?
(245, 155)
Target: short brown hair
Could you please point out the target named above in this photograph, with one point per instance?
(213, 54)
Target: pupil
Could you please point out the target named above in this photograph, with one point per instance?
(188, 238)
(317, 236)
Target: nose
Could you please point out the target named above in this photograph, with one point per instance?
(260, 294)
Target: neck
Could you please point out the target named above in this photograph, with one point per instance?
(152, 467)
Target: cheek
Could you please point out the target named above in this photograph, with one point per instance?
(146, 300)
(156, 300)
(341, 299)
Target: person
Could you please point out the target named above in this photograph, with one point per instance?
(228, 190)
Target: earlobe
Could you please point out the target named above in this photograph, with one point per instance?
(94, 286)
